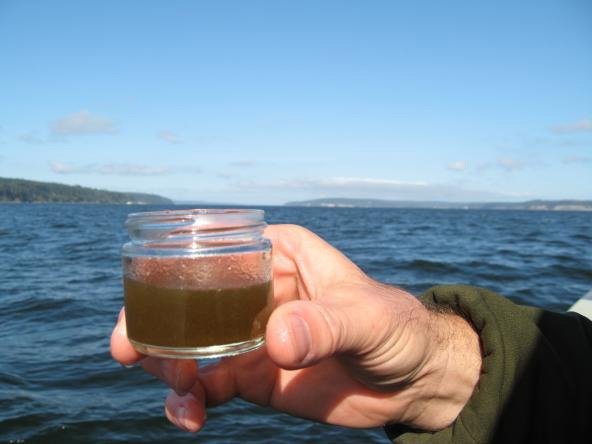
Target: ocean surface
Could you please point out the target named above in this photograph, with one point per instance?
(60, 292)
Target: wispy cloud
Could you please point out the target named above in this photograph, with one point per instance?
(31, 137)
(583, 125)
(569, 143)
(366, 182)
(457, 166)
(109, 169)
(378, 188)
(242, 163)
(577, 159)
(82, 122)
(509, 164)
(121, 169)
(169, 137)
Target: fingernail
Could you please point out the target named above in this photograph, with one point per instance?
(300, 334)
(121, 330)
(181, 417)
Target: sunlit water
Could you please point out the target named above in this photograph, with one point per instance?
(60, 292)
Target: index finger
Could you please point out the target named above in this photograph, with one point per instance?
(121, 348)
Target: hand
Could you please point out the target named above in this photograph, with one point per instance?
(340, 348)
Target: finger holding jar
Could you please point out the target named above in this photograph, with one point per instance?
(179, 374)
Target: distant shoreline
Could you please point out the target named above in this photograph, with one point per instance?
(293, 205)
(16, 191)
(533, 205)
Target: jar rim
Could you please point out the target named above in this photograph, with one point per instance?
(195, 212)
(191, 225)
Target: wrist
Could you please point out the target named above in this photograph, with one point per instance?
(450, 374)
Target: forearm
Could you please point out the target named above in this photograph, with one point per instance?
(535, 381)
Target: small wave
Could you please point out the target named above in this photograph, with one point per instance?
(84, 245)
(38, 305)
(431, 266)
(420, 229)
(563, 258)
(571, 272)
(506, 250)
(98, 278)
(582, 236)
(26, 426)
(141, 427)
(536, 235)
(500, 277)
(63, 225)
(13, 380)
(89, 378)
(557, 243)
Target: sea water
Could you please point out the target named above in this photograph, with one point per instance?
(61, 291)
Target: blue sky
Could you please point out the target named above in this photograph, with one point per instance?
(262, 102)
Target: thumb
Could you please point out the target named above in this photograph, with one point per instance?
(302, 333)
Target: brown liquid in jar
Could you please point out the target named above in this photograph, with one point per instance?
(170, 317)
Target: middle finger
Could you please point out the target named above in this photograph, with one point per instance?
(178, 374)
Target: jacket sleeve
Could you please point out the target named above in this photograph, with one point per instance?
(536, 380)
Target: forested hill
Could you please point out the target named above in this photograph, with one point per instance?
(20, 190)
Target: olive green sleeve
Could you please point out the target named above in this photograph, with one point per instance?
(536, 381)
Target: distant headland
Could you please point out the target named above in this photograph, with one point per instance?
(20, 190)
(531, 205)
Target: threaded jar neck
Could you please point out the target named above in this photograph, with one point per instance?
(201, 231)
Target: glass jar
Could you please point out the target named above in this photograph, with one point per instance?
(197, 283)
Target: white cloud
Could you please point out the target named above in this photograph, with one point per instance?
(457, 166)
(376, 188)
(62, 168)
(365, 182)
(109, 169)
(169, 137)
(583, 125)
(343, 183)
(82, 122)
(577, 159)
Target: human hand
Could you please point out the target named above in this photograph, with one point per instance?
(340, 348)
